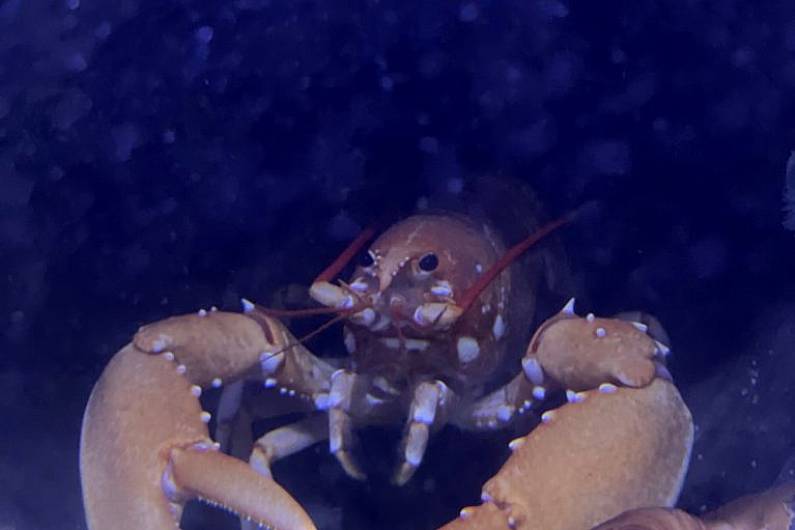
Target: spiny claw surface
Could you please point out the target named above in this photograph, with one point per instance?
(145, 449)
(582, 353)
(483, 517)
(654, 519)
(594, 459)
(218, 346)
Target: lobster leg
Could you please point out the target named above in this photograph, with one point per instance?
(230, 418)
(236, 414)
(346, 387)
(430, 408)
(502, 406)
(285, 441)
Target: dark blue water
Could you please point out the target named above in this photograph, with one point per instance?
(160, 157)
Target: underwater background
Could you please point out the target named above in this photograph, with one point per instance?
(160, 157)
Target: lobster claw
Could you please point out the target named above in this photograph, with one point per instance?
(145, 449)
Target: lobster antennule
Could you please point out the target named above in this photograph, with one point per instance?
(509, 257)
(327, 275)
(339, 314)
(323, 327)
(347, 255)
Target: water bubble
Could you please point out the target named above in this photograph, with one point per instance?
(469, 12)
(204, 34)
(429, 144)
(103, 30)
(75, 62)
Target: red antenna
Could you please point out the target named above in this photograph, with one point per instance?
(347, 255)
(509, 257)
(327, 275)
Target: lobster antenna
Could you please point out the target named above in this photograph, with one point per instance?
(327, 275)
(347, 255)
(509, 257)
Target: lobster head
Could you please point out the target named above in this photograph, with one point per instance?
(415, 278)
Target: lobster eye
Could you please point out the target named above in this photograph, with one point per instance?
(428, 262)
(367, 259)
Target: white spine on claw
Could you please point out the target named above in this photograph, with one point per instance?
(159, 344)
(270, 362)
(568, 309)
(505, 413)
(248, 306)
(532, 370)
(516, 443)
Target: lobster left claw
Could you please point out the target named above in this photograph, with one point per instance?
(622, 441)
(145, 448)
(581, 353)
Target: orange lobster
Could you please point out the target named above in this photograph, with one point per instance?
(432, 317)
